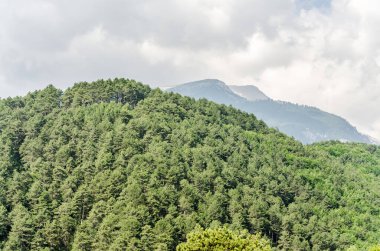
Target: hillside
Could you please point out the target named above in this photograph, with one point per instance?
(115, 165)
(304, 123)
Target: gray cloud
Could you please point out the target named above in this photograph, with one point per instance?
(317, 52)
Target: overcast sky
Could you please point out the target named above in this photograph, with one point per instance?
(316, 52)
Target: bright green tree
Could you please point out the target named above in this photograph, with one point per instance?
(375, 248)
(221, 239)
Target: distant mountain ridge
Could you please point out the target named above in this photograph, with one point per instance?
(214, 89)
(306, 124)
(250, 92)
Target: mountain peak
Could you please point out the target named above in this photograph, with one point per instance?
(250, 92)
(209, 80)
(214, 83)
(212, 89)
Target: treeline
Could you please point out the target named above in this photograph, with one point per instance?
(114, 165)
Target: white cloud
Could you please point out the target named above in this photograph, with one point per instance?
(304, 51)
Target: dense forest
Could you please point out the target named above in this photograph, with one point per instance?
(115, 165)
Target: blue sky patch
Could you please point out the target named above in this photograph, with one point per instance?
(311, 4)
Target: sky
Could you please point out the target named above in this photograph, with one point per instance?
(324, 53)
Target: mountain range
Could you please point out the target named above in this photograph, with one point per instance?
(305, 123)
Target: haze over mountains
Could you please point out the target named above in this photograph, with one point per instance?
(306, 124)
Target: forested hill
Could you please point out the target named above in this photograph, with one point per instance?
(114, 165)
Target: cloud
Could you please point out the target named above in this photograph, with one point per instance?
(316, 52)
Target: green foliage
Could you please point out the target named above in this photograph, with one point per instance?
(374, 248)
(115, 165)
(221, 239)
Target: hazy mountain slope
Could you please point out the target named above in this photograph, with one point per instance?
(211, 89)
(306, 124)
(250, 92)
(115, 165)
